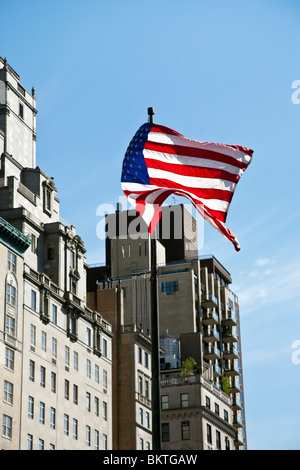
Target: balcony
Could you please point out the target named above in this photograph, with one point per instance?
(229, 318)
(217, 370)
(211, 352)
(229, 337)
(235, 386)
(209, 301)
(238, 422)
(210, 318)
(238, 440)
(211, 336)
(231, 353)
(236, 404)
(232, 370)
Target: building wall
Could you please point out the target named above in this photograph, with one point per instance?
(12, 344)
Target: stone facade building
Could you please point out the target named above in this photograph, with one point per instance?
(64, 347)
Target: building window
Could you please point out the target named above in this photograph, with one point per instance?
(140, 355)
(67, 356)
(33, 243)
(105, 380)
(88, 368)
(67, 389)
(53, 382)
(54, 348)
(185, 430)
(227, 443)
(30, 407)
(165, 402)
(75, 394)
(75, 429)
(140, 416)
(96, 446)
(226, 415)
(32, 335)
(52, 418)
(88, 401)
(43, 377)
(218, 439)
(31, 370)
(104, 407)
(141, 444)
(75, 360)
(54, 314)
(11, 261)
(8, 392)
(208, 433)
(146, 359)
(104, 441)
(165, 432)
(41, 444)
(217, 409)
(97, 374)
(29, 441)
(88, 337)
(88, 436)
(7, 426)
(184, 400)
(44, 341)
(42, 412)
(147, 388)
(169, 287)
(104, 347)
(140, 385)
(10, 326)
(207, 402)
(21, 111)
(11, 295)
(33, 300)
(9, 359)
(96, 406)
(66, 424)
(147, 420)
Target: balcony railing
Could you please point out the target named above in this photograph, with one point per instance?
(211, 336)
(209, 301)
(210, 318)
(211, 352)
(230, 353)
(229, 337)
(229, 318)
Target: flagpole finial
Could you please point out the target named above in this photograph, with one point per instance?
(150, 114)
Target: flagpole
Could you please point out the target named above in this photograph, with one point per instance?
(155, 394)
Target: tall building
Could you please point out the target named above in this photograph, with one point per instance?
(196, 306)
(61, 395)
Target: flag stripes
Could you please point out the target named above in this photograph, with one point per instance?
(159, 162)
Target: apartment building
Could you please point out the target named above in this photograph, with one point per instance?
(131, 371)
(62, 393)
(13, 244)
(195, 302)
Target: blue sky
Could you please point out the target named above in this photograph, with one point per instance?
(217, 71)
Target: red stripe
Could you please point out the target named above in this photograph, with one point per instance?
(194, 152)
(188, 170)
(164, 130)
(204, 193)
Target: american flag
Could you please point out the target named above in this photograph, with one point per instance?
(159, 162)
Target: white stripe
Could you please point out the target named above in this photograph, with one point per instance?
(214, 204)
(220, 148)
(192, 181)
(191, 161)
